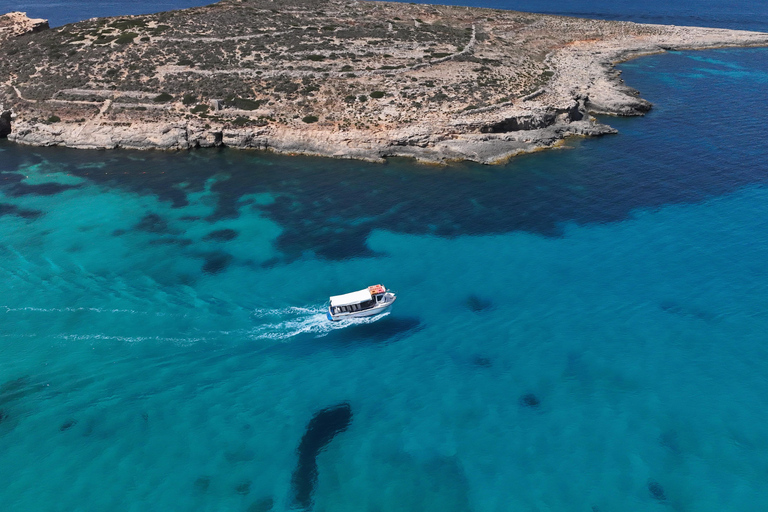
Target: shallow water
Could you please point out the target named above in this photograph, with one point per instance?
(582, 329)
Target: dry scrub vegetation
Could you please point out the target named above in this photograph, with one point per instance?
(340, 64)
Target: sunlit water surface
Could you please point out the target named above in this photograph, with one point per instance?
(579, 330)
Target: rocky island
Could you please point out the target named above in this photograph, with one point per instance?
(340, 78)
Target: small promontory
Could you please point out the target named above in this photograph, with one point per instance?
(341, 78)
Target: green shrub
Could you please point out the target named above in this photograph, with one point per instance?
(286, 85)
(377, 94)
(126, 38)
(362, 97)
(100, 40)
(163, 97)
(309, 119)
(241, 121)
(185, 62)
(189, 99)
(347, 67)
(54, 119)
(200, 109)
(315, 57)
(350, 98)
(242, 103)
(126, 24)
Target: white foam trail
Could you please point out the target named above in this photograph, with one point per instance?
(305, 321)
(128, 339)
(260, 313)
(9, 309)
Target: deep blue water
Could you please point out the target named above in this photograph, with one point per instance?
(741, 14)
(64, 11)
(580, 330)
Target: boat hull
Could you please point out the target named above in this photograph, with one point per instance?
(375, 310)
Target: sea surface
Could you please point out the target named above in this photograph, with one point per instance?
(580, 330)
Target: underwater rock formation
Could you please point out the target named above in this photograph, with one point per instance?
(530, 400)
(321, 430)
(656, 491)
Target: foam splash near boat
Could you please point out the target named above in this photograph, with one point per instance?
(296, 321)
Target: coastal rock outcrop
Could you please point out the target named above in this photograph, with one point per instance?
(5, 122)
(15, 24)
(259, 74)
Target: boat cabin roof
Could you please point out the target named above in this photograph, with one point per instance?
(351, 298)
(357, 297)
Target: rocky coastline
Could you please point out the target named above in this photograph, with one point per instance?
(511, 102)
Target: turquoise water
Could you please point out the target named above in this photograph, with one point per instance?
(582, 329)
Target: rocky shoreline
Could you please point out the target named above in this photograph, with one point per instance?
(579, 81)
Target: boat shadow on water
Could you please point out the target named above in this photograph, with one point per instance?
(386, 329)
(379, 330)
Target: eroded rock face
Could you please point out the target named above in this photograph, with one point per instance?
(15, 24)
(434, 83)
(5, 123)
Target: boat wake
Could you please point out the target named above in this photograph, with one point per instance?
(313, 321)
(9, 309)
(131, 339)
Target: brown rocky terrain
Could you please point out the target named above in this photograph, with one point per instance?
(16, 24)
(343, 78)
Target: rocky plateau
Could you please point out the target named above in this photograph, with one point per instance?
(337, 78)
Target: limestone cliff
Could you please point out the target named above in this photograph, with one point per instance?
(340, 78)
(15, 24)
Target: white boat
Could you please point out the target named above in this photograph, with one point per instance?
(367, 302)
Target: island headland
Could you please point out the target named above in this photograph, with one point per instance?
(337, 78)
